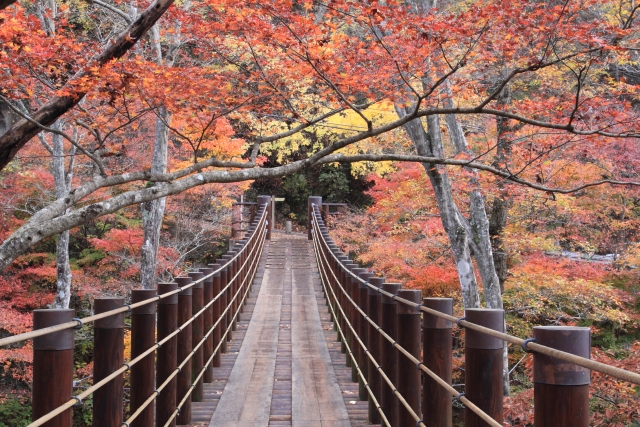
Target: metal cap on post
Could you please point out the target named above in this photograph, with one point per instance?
(265, 201)
(108, 356)
(52, 367)
(484, 366)
(409, 339)
(317, 200)
(561, 389)
(437, 343)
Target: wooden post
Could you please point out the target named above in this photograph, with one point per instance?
(349, 310)
(356, 319)
(167, 354)
(185, 346)
(437, 343)
(52, 367)
(388, 354)
(143, 337)
(208, 323)
(409, 339)
(216, 314)
(231, 301)
(483, 366)
(108, 356)
(197, 333)
(266, 202)
(374, 299)
(317, 200)
(363, 331)
(561, 389)
(242, 266)
(224, 301)
(341, 274)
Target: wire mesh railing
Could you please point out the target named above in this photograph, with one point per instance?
(364, 309)
(187, 323)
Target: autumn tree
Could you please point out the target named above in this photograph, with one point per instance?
(270, 73)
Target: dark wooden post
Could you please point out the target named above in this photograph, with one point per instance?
(216, 314)
(197, 333)
(185, 346)
(409, 339)
(349, 310)
(341, 275)
(242, 266)
(356, 319)
(483, 366)
(317, 200)
(266, 202)
(143, 337)
(374, 299)
(224, 300)
(561, 389)
(363, 330)
(52, 367)
(233, 270)
(108, 356)
(388, 354)
(437, 343)
(167, 353)
(208, 323)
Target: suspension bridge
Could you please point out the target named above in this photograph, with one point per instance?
(285, 330)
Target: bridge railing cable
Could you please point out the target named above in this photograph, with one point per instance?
(418, 421)
(194, 306)
(561, 357)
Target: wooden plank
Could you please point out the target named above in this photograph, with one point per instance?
(316, 394)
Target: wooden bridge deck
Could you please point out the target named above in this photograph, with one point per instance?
(284, 366)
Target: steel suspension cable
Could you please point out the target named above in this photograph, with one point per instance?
(126, 308)
(603, 368)
(223, 337)
(193, 352)
(349, 352)
(355, 335)
(78, 399)
(418, 363)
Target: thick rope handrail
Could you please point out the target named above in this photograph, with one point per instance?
(200, 343)
(348, 348)
(479, 412)
(127, 366)
(72, 324)
(223, 337)
(603, 368)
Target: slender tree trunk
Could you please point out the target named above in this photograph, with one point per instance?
(62, 187)
(153, 211)
(430, 144)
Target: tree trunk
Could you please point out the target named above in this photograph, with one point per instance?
(63, 268)
(452, 220)
(153, 211)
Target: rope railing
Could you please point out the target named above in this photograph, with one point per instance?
(484, 416)
(561, 355)
(323, 275)
(603, 368)
(126, 308)
(227, 286)
(200, 343)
